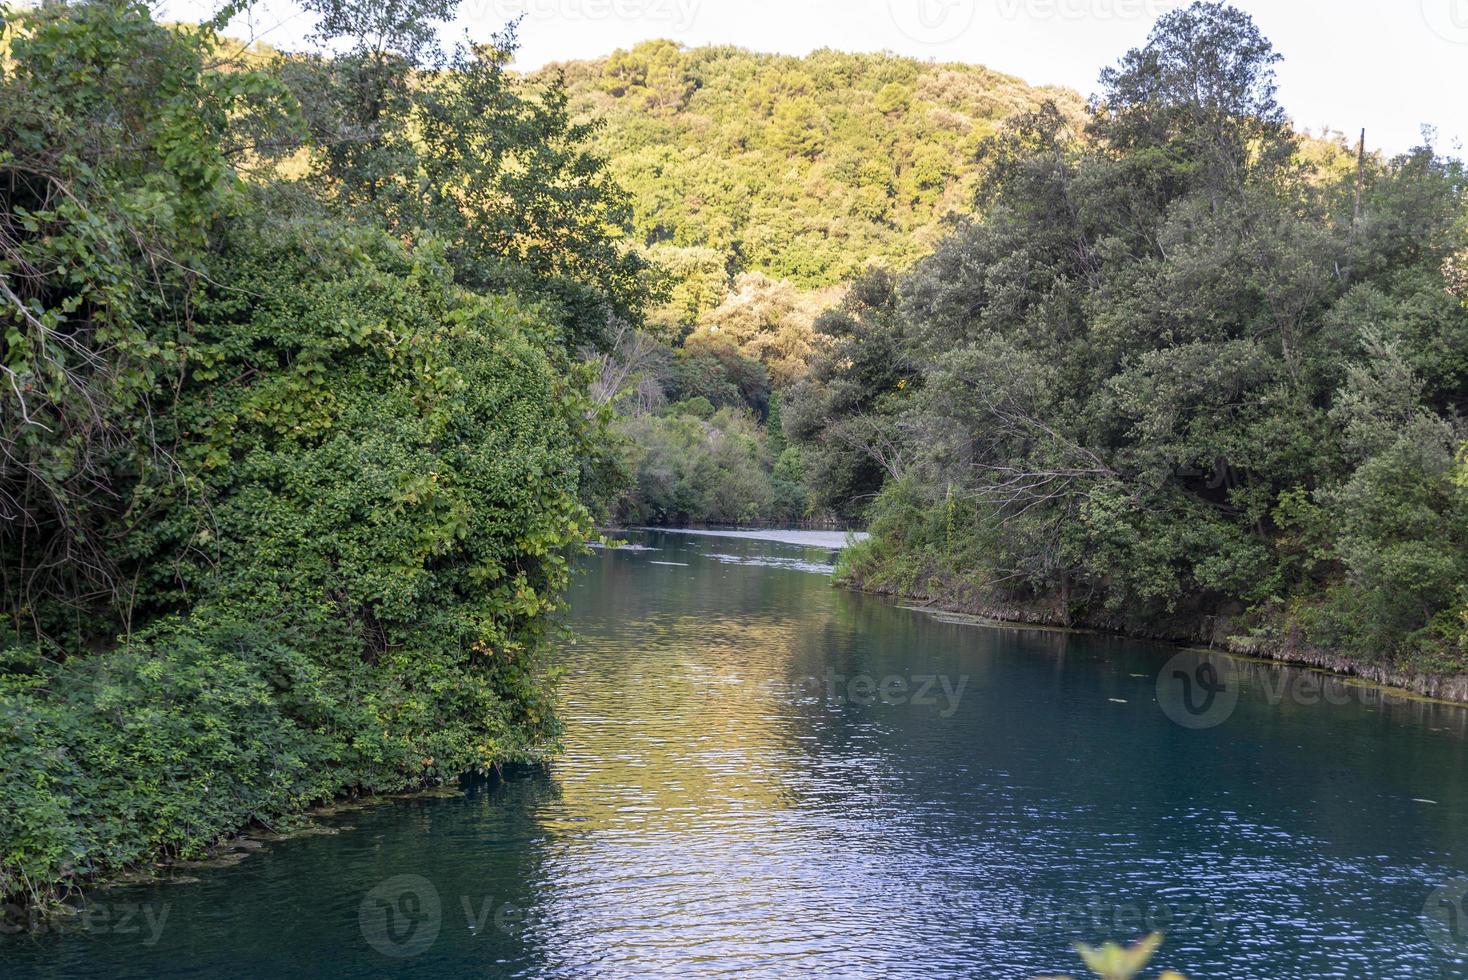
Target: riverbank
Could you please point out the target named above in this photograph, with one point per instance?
(1214, 632)
(811, 536)
(55, 910)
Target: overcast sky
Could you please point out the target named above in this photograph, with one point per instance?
(1391, 66)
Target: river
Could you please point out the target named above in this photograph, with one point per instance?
(766, 776)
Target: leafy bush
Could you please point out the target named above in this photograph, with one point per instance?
(294, 467)
(188, 732)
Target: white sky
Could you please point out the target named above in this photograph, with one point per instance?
(1388, 65)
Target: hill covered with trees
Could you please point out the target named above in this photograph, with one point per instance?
(761, 184)
(800, 169)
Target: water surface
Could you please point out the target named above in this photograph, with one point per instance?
(765, 776)
(797, 536)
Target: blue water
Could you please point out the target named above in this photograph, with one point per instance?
(766, 776)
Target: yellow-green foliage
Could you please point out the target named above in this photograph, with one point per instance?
(1111, 961)
(769, 321)
(805, 169)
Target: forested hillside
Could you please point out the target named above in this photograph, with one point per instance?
(801, 169)
(295, 432)
(1174, 368)
(1170, 377)
(761, 184)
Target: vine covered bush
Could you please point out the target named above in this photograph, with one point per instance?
(292, 465)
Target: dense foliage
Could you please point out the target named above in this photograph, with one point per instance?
(760, 184)
(312, 368)
(1174, 377)
(290, 466)
(802, 169)
(701, 434)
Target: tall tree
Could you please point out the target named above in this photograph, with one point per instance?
(1201, 95)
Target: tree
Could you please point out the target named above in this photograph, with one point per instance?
(653, 74)
(292, 468)
(764, 320)
(1201, 96)
(1168, 378)
(455, 147)
(846, 414)
(119, 139)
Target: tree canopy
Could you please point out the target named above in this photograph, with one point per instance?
(1172, 377)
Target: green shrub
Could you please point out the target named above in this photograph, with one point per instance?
(188, 732)
(299, 501)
